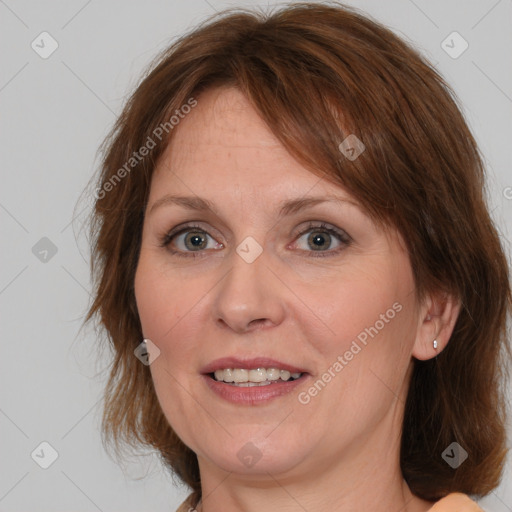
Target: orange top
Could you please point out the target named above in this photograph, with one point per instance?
(454, 502)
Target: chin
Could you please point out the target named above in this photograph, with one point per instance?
(254, 454)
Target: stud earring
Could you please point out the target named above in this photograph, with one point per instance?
(435, 343)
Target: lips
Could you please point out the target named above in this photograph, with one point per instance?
(249, 364)
(250, 393)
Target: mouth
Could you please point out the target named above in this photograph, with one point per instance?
(252, 381)
(244, 377)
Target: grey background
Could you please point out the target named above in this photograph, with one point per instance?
(55, 112)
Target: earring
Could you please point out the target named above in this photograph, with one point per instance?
(435, 343)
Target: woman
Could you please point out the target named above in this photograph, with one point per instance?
(296, 268)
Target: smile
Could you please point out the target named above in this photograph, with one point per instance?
(255, 377)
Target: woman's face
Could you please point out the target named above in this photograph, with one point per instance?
(283, 273)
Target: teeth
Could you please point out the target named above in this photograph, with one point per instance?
(252, 384)
(255, 377)
(240, 375)
(258, 375)
(227, 377)
(273, 374)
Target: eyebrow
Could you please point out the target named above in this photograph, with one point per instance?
(287, 207)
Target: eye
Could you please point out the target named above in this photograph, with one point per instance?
(321, 238)
(189, 239)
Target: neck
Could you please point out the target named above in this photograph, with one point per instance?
(230, 495)
(366, 476)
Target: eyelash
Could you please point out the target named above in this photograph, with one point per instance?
(343, 237)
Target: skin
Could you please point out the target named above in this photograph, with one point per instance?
(340, 451)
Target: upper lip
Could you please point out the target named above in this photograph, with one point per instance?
(249, 364)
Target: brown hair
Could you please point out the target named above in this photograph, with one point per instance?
(317, 73)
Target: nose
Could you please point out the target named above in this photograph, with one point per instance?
(249, 297)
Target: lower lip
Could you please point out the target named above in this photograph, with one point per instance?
(252, 395)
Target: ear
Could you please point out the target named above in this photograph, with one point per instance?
(436, 321)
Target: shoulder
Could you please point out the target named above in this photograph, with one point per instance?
(455, 502)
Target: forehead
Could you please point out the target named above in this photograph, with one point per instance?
(224, 141)
(224, 115)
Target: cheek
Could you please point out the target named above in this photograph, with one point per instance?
(369, 320)
(169, 311)
(160, 299)
(354, 302)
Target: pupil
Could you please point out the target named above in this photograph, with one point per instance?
(196, 240)
(318, 240)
